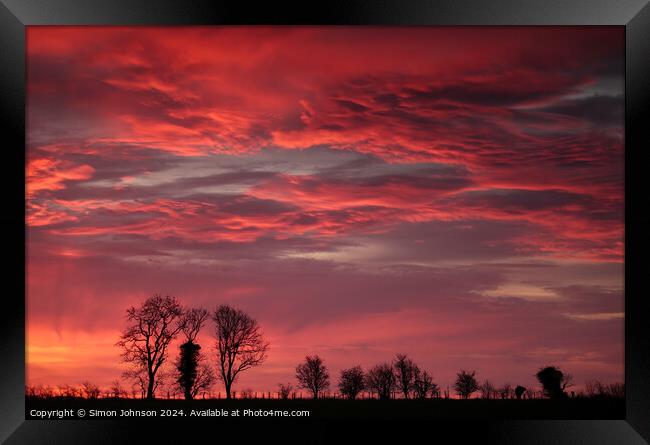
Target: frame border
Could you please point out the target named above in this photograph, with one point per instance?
(15, 15)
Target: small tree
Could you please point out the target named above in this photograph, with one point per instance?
(116, 390)
(465, 384)
(284, 390)
(423, 384)
(554, 382)
(69, 391)
(40, 391)
(487, 390)
(240, 345)
(616, 390)
(31, 391)
(597, 389)
(313, 376)
(506, 391)
(404, 373)
(351, 382)
(593, 388)
(90, 390)
(519, 391)
(382, 380)
(246, 393)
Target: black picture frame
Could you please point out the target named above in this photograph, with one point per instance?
(634, 15)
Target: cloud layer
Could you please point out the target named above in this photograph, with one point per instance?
(452, 193)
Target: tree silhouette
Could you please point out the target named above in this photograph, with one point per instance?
(465, 384)
(151, 328)
(313, 376)
(284, 391)
(597, 389)
(205, 378)
(487, 389)
(40, 391)
(240, 345)
(140, 381)
(90, 390)
(530, 393)
(187, 366)
(246, 393)
(506, 391)
(519, 391)
(190, 354)
(554, 382)
(381, 379)
(116, 390)
(594, 388)
(423, 384)
(616, 390)
(70, 391)
(351, 382)
(404, 373)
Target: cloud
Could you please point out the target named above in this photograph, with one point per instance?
(456, 193)
(45, 174)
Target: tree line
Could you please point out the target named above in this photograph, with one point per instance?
(405, 378)
(158, 321)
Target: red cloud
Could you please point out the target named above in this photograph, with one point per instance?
(45, 174)
(332, 181)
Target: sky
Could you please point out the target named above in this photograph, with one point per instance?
(455, 194)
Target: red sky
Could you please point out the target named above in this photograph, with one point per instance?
(451, 193)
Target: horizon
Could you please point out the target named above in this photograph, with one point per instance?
(455, 194)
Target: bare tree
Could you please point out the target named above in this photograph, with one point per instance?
(31, 391)
(465, 384)
(246, 393)
(240, 345)
(487, 390)
(40, 391)
(351, 382)
(423, 384)
(381, 379)
(506, 391)
(116, 390)
(405, 373)
(151, 328)
(90, 390)
(313, 376)
(47, 392)
(284, 391)
(69, 391)
(616, 390)
(597, 389)
(187, 365)
(593, 388)
(205, 379)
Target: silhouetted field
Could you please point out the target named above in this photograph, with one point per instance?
(578, 408)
